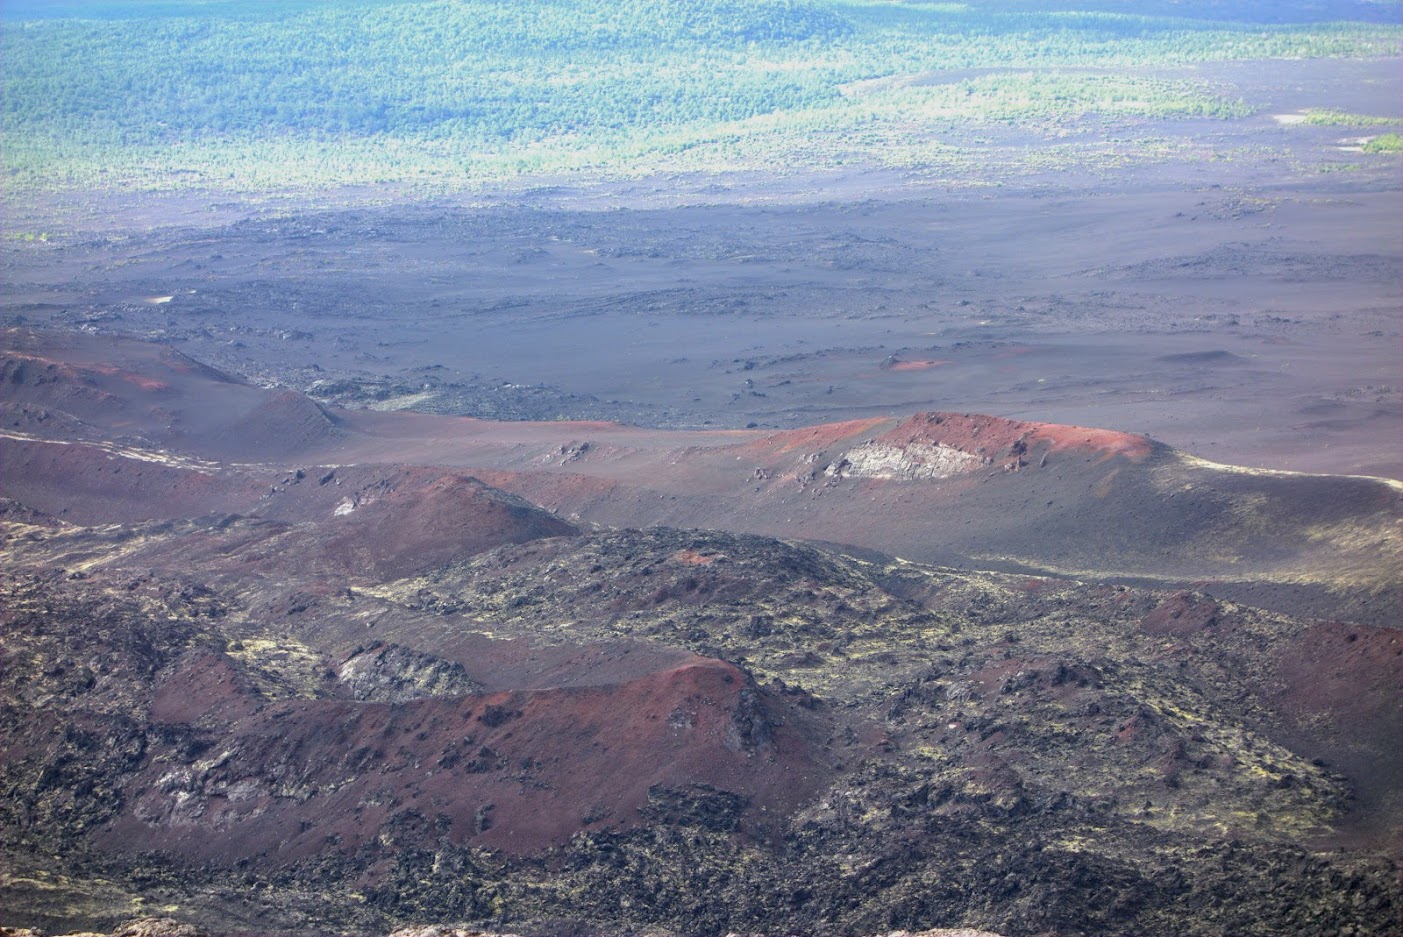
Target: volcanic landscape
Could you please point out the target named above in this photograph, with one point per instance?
(283, 666)
(822, 553)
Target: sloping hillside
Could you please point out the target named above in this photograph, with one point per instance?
(333, 693)
(937, 487)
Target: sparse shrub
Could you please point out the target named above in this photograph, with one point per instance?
(1386, 143)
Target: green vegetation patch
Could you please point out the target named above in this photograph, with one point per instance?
(1330, 117)
(459, 93)
(1386, 143)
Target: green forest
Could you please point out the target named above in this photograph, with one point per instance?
(460, 93)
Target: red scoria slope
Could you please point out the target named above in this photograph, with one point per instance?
(999, 438)
(387, 522)
(98, 484)
(517, 770)
(138, 392)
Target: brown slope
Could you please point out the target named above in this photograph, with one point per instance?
(113, 388)
(517, 770)
(955, 488)
(385, 522)
(121, 385)
(429, 519)
(284, 424)
(939, 487)
(98, 484)
(389, 521)
(1336, 691)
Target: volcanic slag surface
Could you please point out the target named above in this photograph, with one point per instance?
(387, 667)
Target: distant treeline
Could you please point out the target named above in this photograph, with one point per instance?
(467, 83)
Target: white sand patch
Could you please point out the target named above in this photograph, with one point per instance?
(915, 461)
(402, 402)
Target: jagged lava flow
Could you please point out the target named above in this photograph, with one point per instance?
(283, 667)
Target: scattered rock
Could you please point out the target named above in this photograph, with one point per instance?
(911, 462)
(159, 927)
